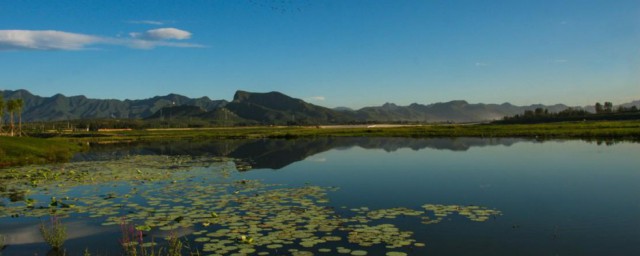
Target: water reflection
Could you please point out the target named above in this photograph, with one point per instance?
(28, 233)
(279, 153)
(560, 197)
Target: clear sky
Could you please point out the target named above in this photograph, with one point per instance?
(331, 53)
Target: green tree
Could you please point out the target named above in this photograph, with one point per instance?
(11, 107)
(608, 107)
(528, 113)
(598, 108)
(19, 105)
(1, 111)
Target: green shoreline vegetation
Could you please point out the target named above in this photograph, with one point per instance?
(26, 150)
(59, 147)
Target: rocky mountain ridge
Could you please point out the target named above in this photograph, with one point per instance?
(259, 108)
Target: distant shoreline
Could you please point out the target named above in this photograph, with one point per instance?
(58, 147)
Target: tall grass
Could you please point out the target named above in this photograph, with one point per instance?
(54, 234)
(175, 246)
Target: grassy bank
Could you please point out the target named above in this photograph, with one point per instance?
(25, 150)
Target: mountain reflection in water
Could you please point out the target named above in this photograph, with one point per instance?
(279, 153)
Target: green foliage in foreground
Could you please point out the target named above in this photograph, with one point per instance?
(24, 150)
(596, 129)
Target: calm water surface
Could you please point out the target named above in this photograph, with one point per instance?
(555, 197)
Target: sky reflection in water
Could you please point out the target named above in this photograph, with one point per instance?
(564, 197)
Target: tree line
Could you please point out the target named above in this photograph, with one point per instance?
(604, 111)
(14, 108)
(608, 108)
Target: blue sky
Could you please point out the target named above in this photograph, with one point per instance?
(331, 53)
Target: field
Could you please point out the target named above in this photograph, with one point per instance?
(597, 129)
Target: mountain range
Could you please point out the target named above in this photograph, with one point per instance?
(259, 108)
(59, 107)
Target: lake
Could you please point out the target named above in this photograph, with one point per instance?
(334, 196)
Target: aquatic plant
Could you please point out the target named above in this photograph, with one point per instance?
(133, 243)
(161, 193)
(175, 245)
(55, 234)
(132, 240)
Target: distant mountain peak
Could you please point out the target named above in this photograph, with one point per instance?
(241, 96)
(459, 102)
(278, 108)
(344, 109)
(23, 93)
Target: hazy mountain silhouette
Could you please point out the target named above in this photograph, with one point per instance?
(452, 111)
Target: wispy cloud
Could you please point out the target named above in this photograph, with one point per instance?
(481, 64)
(147, 22)
(44, 40)
(559, 61)
(162, 34)
(52, 40)
(316, 98)
(146, 44)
